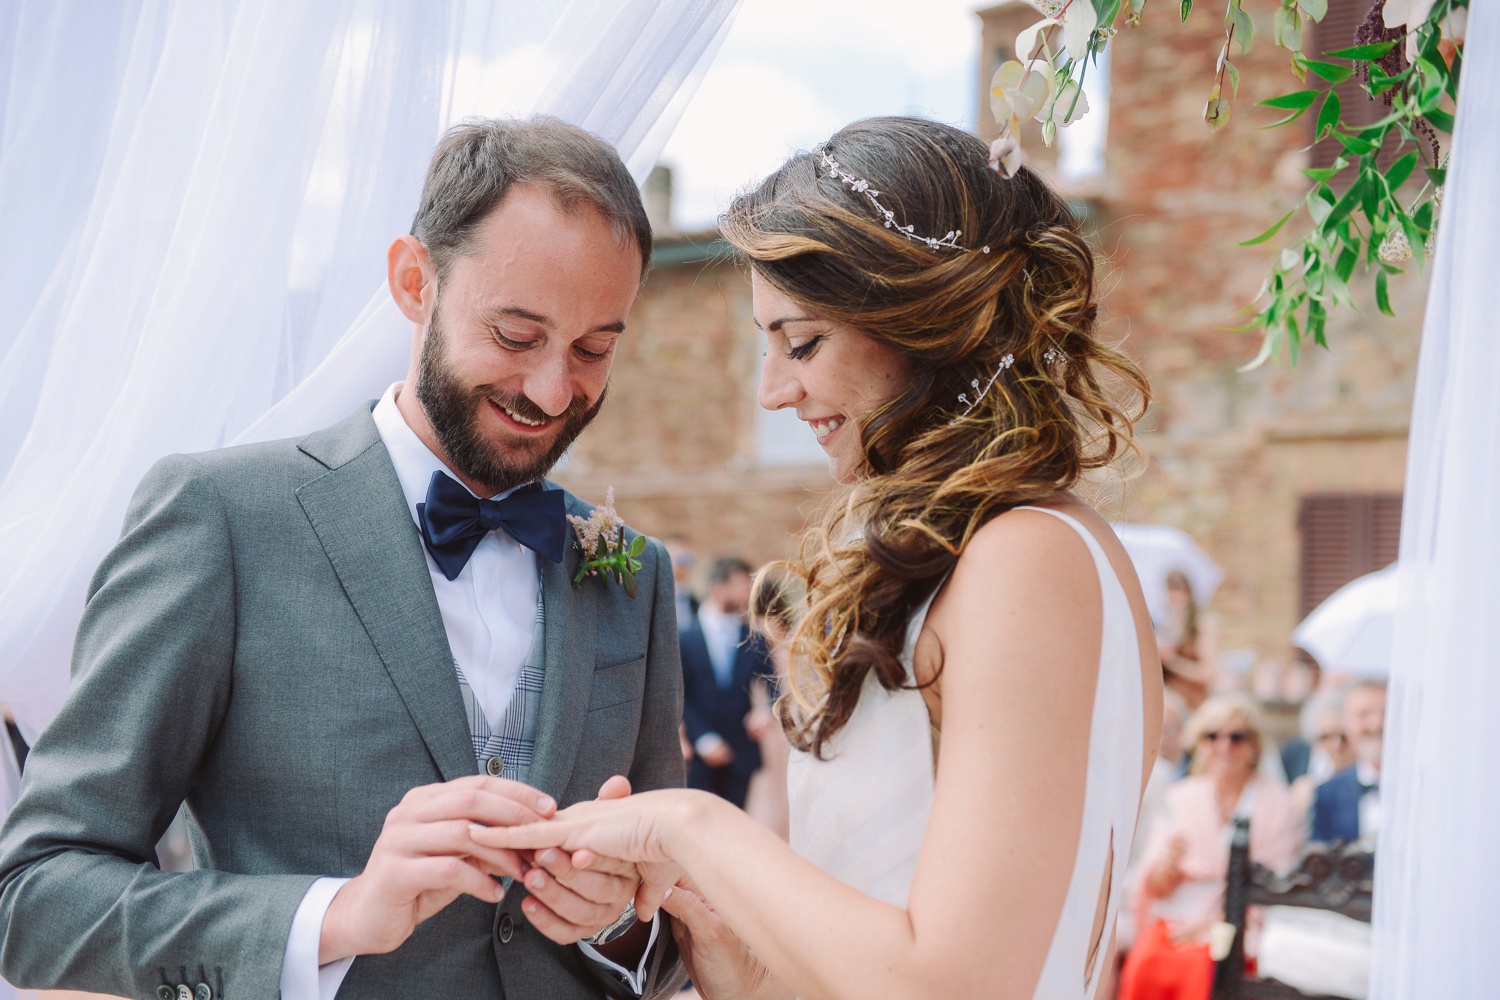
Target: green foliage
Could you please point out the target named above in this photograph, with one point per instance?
(1361, 218)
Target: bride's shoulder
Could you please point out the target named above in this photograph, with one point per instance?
(1031, 543)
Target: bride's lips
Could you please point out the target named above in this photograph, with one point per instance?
(515, 424)
(825, 429)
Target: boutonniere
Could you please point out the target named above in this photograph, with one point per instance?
(600, 538)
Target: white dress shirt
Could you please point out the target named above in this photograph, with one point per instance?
(488, 612)
(1369, 802)
(721, 633)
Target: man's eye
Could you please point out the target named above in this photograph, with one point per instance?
(588, 355)
(512, 343)
(804, 350)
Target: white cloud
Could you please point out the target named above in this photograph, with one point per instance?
(744, 120)
(794, 71)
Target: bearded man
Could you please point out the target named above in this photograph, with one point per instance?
(342, 652)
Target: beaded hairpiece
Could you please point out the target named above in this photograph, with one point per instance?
(861, 186)
(979, 393)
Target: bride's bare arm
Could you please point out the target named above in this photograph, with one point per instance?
(1020, 629)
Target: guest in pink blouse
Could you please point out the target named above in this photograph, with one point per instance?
(1180, 888)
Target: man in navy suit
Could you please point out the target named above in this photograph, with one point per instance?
(720, 660)
(1347, 806)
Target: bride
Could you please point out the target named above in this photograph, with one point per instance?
(975, 688)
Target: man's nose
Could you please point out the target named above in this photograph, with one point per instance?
(550, 383)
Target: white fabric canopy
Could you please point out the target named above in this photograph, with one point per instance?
(196, 198)
(1436, 904)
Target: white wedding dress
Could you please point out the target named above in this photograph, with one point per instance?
(861, 813)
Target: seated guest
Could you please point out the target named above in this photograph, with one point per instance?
(1323, 750)
(1180, 886)
(1347, 805)
(1188, 643)
(720, 660)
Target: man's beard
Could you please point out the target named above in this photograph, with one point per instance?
(453, 410)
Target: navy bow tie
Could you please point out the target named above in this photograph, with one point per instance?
(454, 521)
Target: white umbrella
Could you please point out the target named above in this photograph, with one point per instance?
(1157, 550)
(1351, 632)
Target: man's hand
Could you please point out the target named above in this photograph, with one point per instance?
(758, 722)
(714, 750)
(425, 859)
(569, 901)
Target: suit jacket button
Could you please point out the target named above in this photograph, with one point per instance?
(494, 765)
(184, 993)
(507, 928)
(165, 992)
(202, 992)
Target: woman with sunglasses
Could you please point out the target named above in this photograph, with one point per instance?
(1180, 895)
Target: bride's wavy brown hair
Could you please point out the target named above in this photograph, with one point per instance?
(934, 476)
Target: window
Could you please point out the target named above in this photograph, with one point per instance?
(1345, 536)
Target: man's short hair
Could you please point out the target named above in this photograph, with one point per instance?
(724, 568)
(476, 163)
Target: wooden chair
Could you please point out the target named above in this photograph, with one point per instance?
(1340, 878)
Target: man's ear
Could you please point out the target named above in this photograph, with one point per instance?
(412, 279)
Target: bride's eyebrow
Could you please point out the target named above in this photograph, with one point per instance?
(776, 325)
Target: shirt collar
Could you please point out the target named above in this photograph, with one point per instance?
(1366, 774)
(414, 461)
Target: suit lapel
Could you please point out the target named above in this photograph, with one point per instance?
(360, 515)
(568, 621)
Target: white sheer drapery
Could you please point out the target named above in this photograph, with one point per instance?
(1436, 904)
(195, 199)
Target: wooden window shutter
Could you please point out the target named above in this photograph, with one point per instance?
(1344, 536)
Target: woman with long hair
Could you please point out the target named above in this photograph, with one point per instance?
(974, 691)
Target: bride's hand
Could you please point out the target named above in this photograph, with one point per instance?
(720, 965)
(633, 830)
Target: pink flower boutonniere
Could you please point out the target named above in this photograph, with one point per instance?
(600, 538)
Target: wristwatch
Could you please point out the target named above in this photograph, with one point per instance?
(616, 930)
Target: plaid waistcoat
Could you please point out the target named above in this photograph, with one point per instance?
(505, 750)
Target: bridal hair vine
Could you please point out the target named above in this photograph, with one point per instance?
(861, 186)
(979, 393)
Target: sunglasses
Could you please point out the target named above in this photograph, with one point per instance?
(1236, 737)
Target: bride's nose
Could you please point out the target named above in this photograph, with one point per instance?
(778, 386)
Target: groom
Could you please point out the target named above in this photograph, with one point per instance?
(340, 658)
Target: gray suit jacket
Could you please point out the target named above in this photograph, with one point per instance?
(263, 643)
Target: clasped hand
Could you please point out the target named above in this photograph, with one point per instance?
(430, 852)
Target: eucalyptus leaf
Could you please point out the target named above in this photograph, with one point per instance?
(1315, 9)
(1299, 100)
(1332, 72)
(638, 545)
(1244, 28)
(1234, 77)
(1382, 293)
(1362, 53)
(1401, 170)
(1216, 113)
(1328, 116)
(1275, 228)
